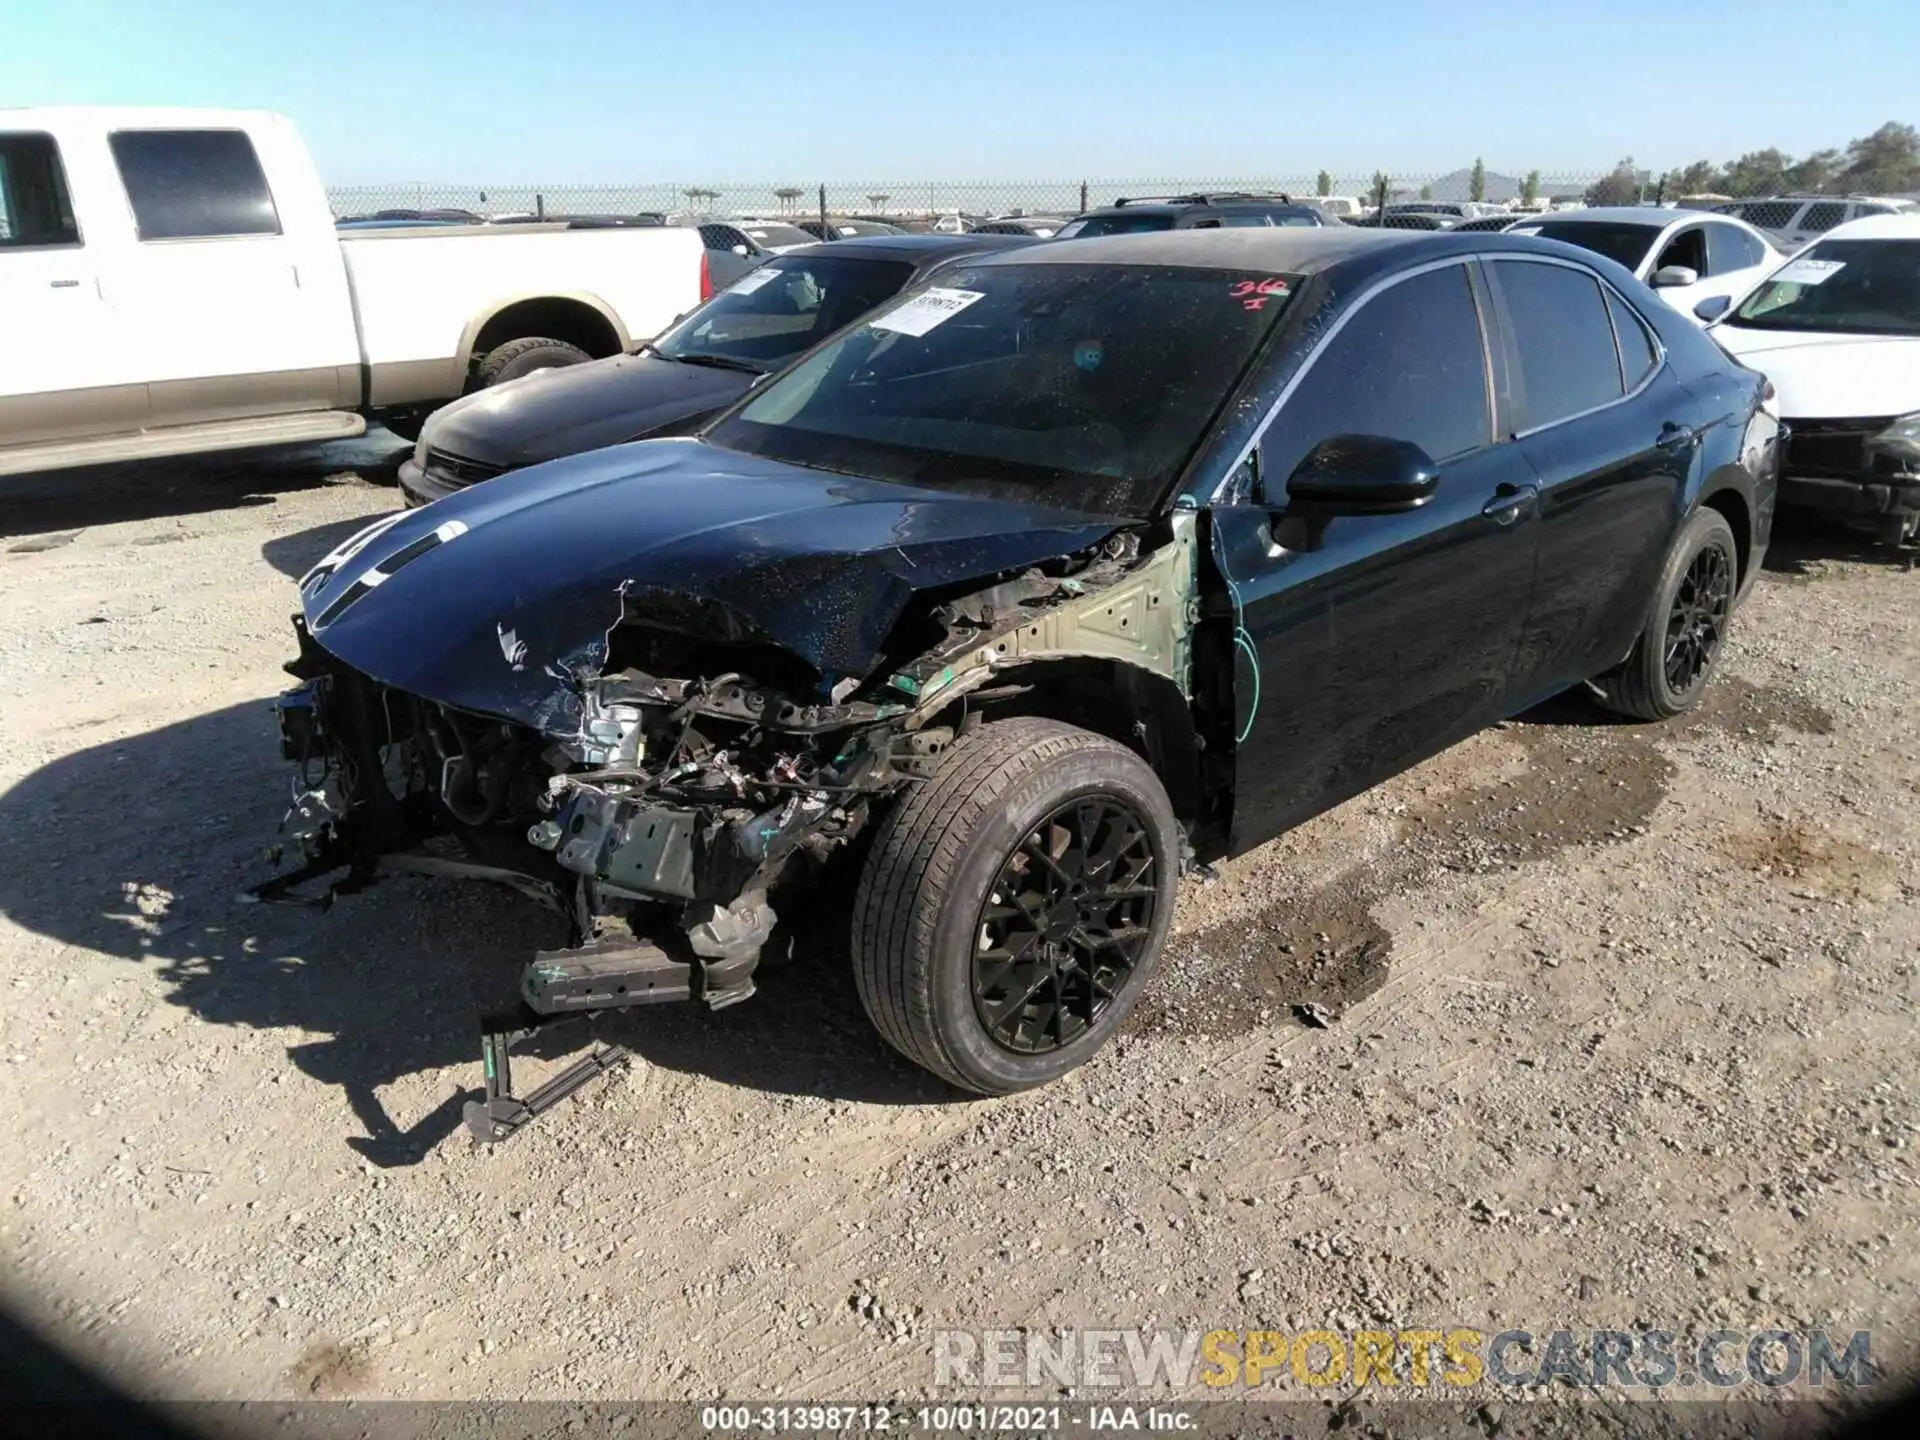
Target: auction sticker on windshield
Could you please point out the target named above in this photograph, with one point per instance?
(933, 306)
(753, 280)
(1808, 272)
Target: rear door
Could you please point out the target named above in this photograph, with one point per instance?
(65, 373)
(1379, 639)
(236, 294)
(1610, 433)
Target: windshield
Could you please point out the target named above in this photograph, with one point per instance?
(773, 313)
(1121, 224)
(1871, 287)
(1623, 244)
(1085, 387)
(772, 235)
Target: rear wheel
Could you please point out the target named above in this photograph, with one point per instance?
(1676, 653)
(1014, 905)
(519, 358)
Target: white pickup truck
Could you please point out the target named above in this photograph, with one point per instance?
(171, 281)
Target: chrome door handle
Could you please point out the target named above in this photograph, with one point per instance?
(1508, 501)
(64, 284)
(1676, 437)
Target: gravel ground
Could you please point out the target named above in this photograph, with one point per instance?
(1615, 1028)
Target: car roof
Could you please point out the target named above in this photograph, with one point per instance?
(1877, 227)
(1299, 251)
(1199, 205)
(923, 249)
(1653, 217)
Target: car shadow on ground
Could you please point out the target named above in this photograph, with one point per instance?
(37, 509)
(1803, 539)
(293, 555)
(138, 851)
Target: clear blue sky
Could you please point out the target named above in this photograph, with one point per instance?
(571, 91)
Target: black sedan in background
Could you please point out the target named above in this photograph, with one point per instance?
(1092, 558)
(700, 366)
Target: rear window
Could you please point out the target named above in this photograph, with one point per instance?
(1086, 387)
(1621, 243)
(194, 184)
(1767, 214)
(1118, 224)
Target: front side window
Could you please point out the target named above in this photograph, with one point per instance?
(1086, 387)
(778, 310)
(194, 184)
(1409, 365)
(35, 208)
(1688, 249)
(1563, 341)
(1868, 287)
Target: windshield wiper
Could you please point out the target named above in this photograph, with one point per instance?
(721, 362)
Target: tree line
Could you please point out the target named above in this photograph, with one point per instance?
(1887, 162)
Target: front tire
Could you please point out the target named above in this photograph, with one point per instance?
(519, 358)
(1679, 649)
(1014, 906)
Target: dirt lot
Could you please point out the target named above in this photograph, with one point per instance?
(1622, 1034)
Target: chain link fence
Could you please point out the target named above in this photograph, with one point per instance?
(929, 199)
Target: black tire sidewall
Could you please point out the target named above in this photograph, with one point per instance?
(1110, 772)
(529, 359)
(1704, 528)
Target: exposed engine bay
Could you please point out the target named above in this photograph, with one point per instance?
(687, 781)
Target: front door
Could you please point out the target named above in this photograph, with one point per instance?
(1369, 642)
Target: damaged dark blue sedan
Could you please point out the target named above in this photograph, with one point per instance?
(1094, 561)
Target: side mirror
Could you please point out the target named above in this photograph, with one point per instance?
(1363, 475)
(1713, 307)
(1668, 275)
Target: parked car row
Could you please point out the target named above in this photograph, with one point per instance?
(986, 586)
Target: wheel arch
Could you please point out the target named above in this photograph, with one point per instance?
(1729, 490)
(576, 317)
(1129, 704)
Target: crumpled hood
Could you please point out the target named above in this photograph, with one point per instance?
(1831, 377)
(581, 407)
(495, 598)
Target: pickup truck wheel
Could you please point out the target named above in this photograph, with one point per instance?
(1676, 653)
(1015, 904)
(523, 357)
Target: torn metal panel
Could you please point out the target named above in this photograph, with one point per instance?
(1143, 616)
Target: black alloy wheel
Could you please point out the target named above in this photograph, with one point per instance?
(1064, 925)
(1698, 618)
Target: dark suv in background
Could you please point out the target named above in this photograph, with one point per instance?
(1191, 212)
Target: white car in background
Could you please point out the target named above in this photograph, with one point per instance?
(1689, 257)
(1837, 331)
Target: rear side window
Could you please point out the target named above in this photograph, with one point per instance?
(34, 205)
(1244, 222)
(194, 184)
(1768, 214)
(1568, 364)
(1637, 355)
(1409, 365)
(1822, 217)
(1729, 248)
